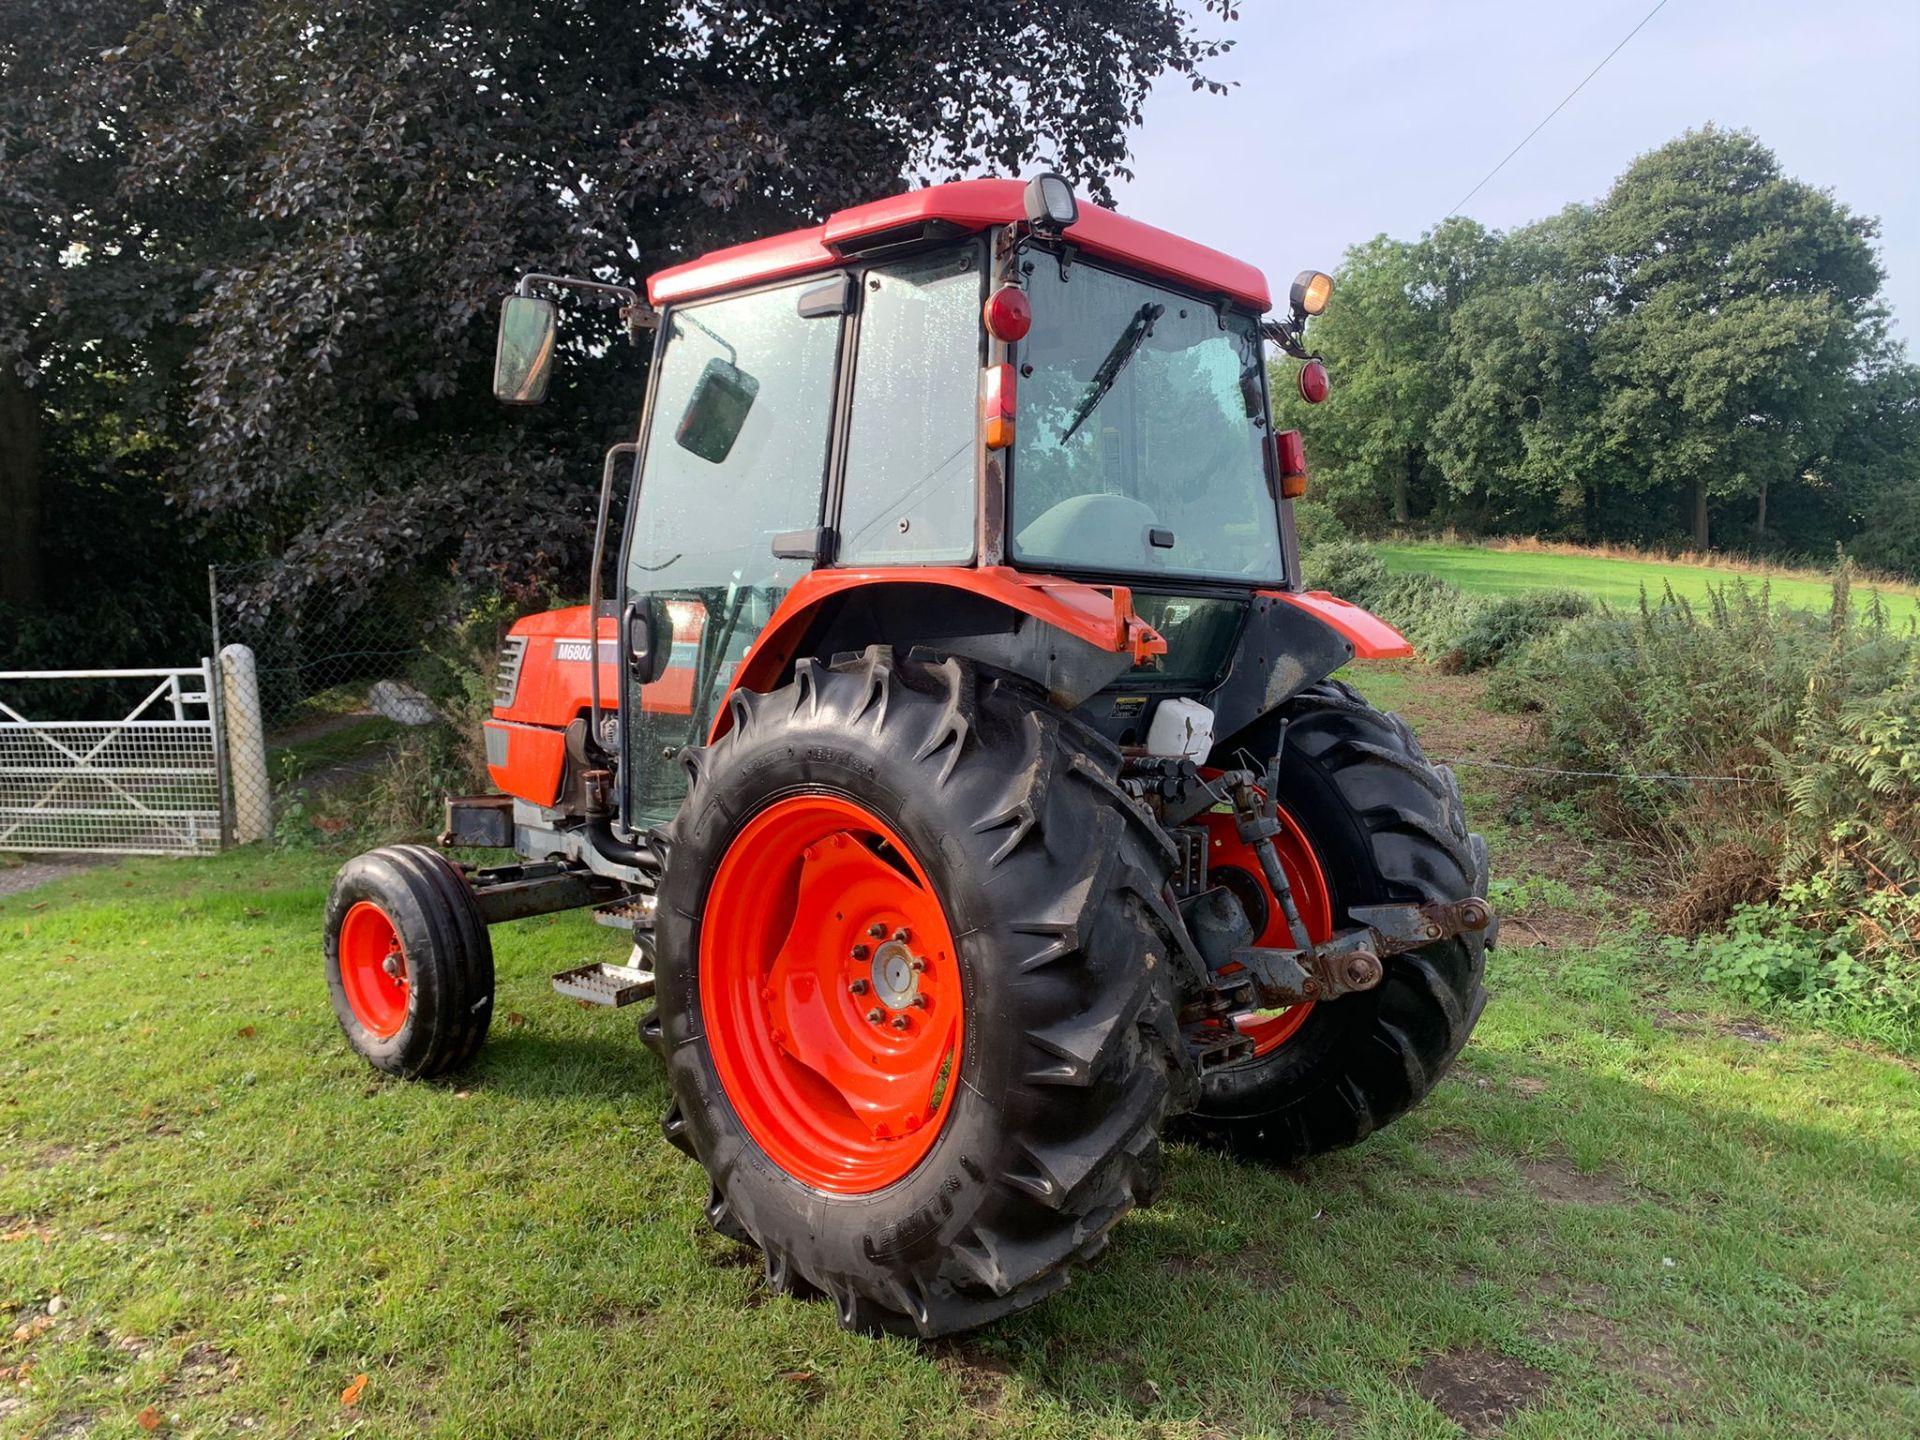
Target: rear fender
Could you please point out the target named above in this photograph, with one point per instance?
(1371, 637)
(1070, 637)
(1293, 639)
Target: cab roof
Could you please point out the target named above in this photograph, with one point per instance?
(961, 207)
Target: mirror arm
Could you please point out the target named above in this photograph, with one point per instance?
(637, 315)
(614, 452)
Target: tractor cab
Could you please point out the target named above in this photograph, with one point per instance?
(939, 418)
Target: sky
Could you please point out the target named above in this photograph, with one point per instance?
(1353, 120)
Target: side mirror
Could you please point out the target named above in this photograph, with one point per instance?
(649, 638)
(523, 354)
(717, 410)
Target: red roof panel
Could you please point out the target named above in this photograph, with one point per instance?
(971, 205)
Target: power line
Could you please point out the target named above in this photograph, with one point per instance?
(1557, 109)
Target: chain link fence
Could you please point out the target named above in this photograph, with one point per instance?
(341, 690)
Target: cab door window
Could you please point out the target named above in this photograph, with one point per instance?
(736, 453)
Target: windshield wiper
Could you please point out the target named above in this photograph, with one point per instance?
(1138, 329)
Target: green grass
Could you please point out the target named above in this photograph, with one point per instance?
(1626, 1208)
(1482, 571)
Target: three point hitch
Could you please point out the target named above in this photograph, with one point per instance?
(1245, 977)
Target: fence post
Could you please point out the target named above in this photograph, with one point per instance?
(217, 713)
(246, 745)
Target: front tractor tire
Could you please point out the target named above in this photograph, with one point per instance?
(409, 964)
(1382, 824)
(914, 990)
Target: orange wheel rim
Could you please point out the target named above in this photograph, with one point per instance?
(830, 988)
(373, 969)
(1226, 851)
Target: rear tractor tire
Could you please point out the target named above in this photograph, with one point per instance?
(914, 990)
(409, 964)
(1381, 824)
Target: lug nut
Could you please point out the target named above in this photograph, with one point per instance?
(900, 1022)
(877, 930)
(876, 1015)
(858, 987)
(919, 1002)
(917, 965)
(860, 952)
(903, 935)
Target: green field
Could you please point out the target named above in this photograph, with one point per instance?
(1482, 571)
(1627, 1211)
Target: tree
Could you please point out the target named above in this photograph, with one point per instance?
(1874, 477)
(1385, 338)
(1706, 340)
(277, 229)
(1737, 305)
(1520, 419)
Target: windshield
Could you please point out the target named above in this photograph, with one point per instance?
(1141, 432)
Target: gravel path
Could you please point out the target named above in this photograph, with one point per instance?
(44, 870)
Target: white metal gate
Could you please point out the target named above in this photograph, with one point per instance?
(147, 783)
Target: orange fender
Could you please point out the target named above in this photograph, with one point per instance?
(1101, 615)
(1371, 637)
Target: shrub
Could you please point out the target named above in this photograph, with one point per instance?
(455, 671)
(1830, 958)
(1315, 522)
(1500, 627)
(1346, 567)
(1429, 611)
(1785, 743)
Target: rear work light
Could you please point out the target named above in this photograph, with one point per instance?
(1290, 457)
(996, 405)
(1008, 314)
(1050, 204)
(1310, 292)
(1314, 383)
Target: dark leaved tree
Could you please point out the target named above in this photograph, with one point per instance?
(253, 250)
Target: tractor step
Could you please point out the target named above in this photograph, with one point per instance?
(604, 984)
(633, 913)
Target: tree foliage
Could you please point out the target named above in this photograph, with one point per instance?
(1700, 355)
(250, 252)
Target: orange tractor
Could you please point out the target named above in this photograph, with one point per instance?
(960, 750)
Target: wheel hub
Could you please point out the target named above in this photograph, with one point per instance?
(831, 990)
(896, 975)
(1234, 864)
(373, 969)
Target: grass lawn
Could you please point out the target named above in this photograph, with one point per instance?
(1626, 1211)
(1482, 571)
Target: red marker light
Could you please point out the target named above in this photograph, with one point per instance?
(1314, 383)
(1008, 314)
(1290, 452)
